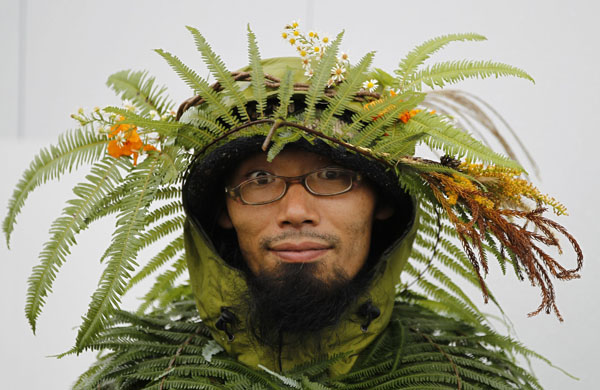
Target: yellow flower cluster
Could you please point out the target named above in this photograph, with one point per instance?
(460, 184)
(510, 186)
(311, 46)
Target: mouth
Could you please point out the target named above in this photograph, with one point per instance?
(303, 252)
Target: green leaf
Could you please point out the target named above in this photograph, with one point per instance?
(321, 75)
(74, 149)
(141, 90)
(451, 72)
(453, 141)
(409, 65)
(286, 89)
(346, 91)
(164, 281)
(223, 76)
(200, 86)
(102, 178)
(145, 179)
(258, 77)
(396, 106)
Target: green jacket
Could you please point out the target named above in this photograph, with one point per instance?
(215, 284)
(178, 345)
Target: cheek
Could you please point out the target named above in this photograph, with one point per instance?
(249, 223)
(355, 220)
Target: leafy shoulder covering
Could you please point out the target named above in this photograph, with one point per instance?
(172, 349)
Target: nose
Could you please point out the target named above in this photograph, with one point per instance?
(297, 208)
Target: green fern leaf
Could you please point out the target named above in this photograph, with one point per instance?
(166, 128)
(164, 281)
(409, 65)
(103, 176)
(451, 72)
(204, 120)
(161, 258)
(218, 69)
(286, 89)
(347, 90)
(141, 90)
(74, 148)
(455, 142)
(372, 111)
(258, 77)
(123, 250)
(321, 75)
(399, 143)
(391, 109)
(200, 86)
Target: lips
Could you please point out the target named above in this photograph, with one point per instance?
(303, 252)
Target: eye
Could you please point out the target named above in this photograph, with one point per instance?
(261, 177)
(331, 174)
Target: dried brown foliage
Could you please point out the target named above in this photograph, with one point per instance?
(526, 234)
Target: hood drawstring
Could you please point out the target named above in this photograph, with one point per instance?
(226, 317)
(369, 312)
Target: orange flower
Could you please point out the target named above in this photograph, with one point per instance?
(408, 114)
(126, 141)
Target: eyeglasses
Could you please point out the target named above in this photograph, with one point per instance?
(269, 188)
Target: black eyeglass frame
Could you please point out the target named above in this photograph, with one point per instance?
(235, 192)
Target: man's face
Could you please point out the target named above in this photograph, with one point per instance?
(332, 232)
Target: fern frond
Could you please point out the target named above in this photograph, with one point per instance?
(386, 113)
(200, 86)
(398, 144)
(163, 229)
(123, 250)
(140, 89)
(223, 76)
(74, 149)
(165, 128)
(166, 210)
(409, 65)
(166, 254)
(103, 176)
(371, 112)
(284, 95)
(455, 142)
(203, 119)
(321, 75)
(451, 72)
(347, 90)
(164, 281)
(258, 77)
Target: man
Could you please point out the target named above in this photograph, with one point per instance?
(298, 263)
(303, 202)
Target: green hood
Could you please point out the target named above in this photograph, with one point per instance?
(216, 284)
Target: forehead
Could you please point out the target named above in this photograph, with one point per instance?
(289, 162)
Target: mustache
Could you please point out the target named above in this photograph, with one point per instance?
(269, 241)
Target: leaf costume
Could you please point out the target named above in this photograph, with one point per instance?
(145, 156)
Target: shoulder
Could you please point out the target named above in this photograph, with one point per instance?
(423, 349)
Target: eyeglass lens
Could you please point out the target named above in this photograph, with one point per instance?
(267, 188)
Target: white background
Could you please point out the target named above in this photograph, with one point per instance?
(57, 55)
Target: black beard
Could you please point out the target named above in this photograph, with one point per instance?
(292, 299)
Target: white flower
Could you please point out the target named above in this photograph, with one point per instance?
(154, 114)
(370, 85)
(309, 72)
(338, 72)
(344, 58)
(128, 105)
